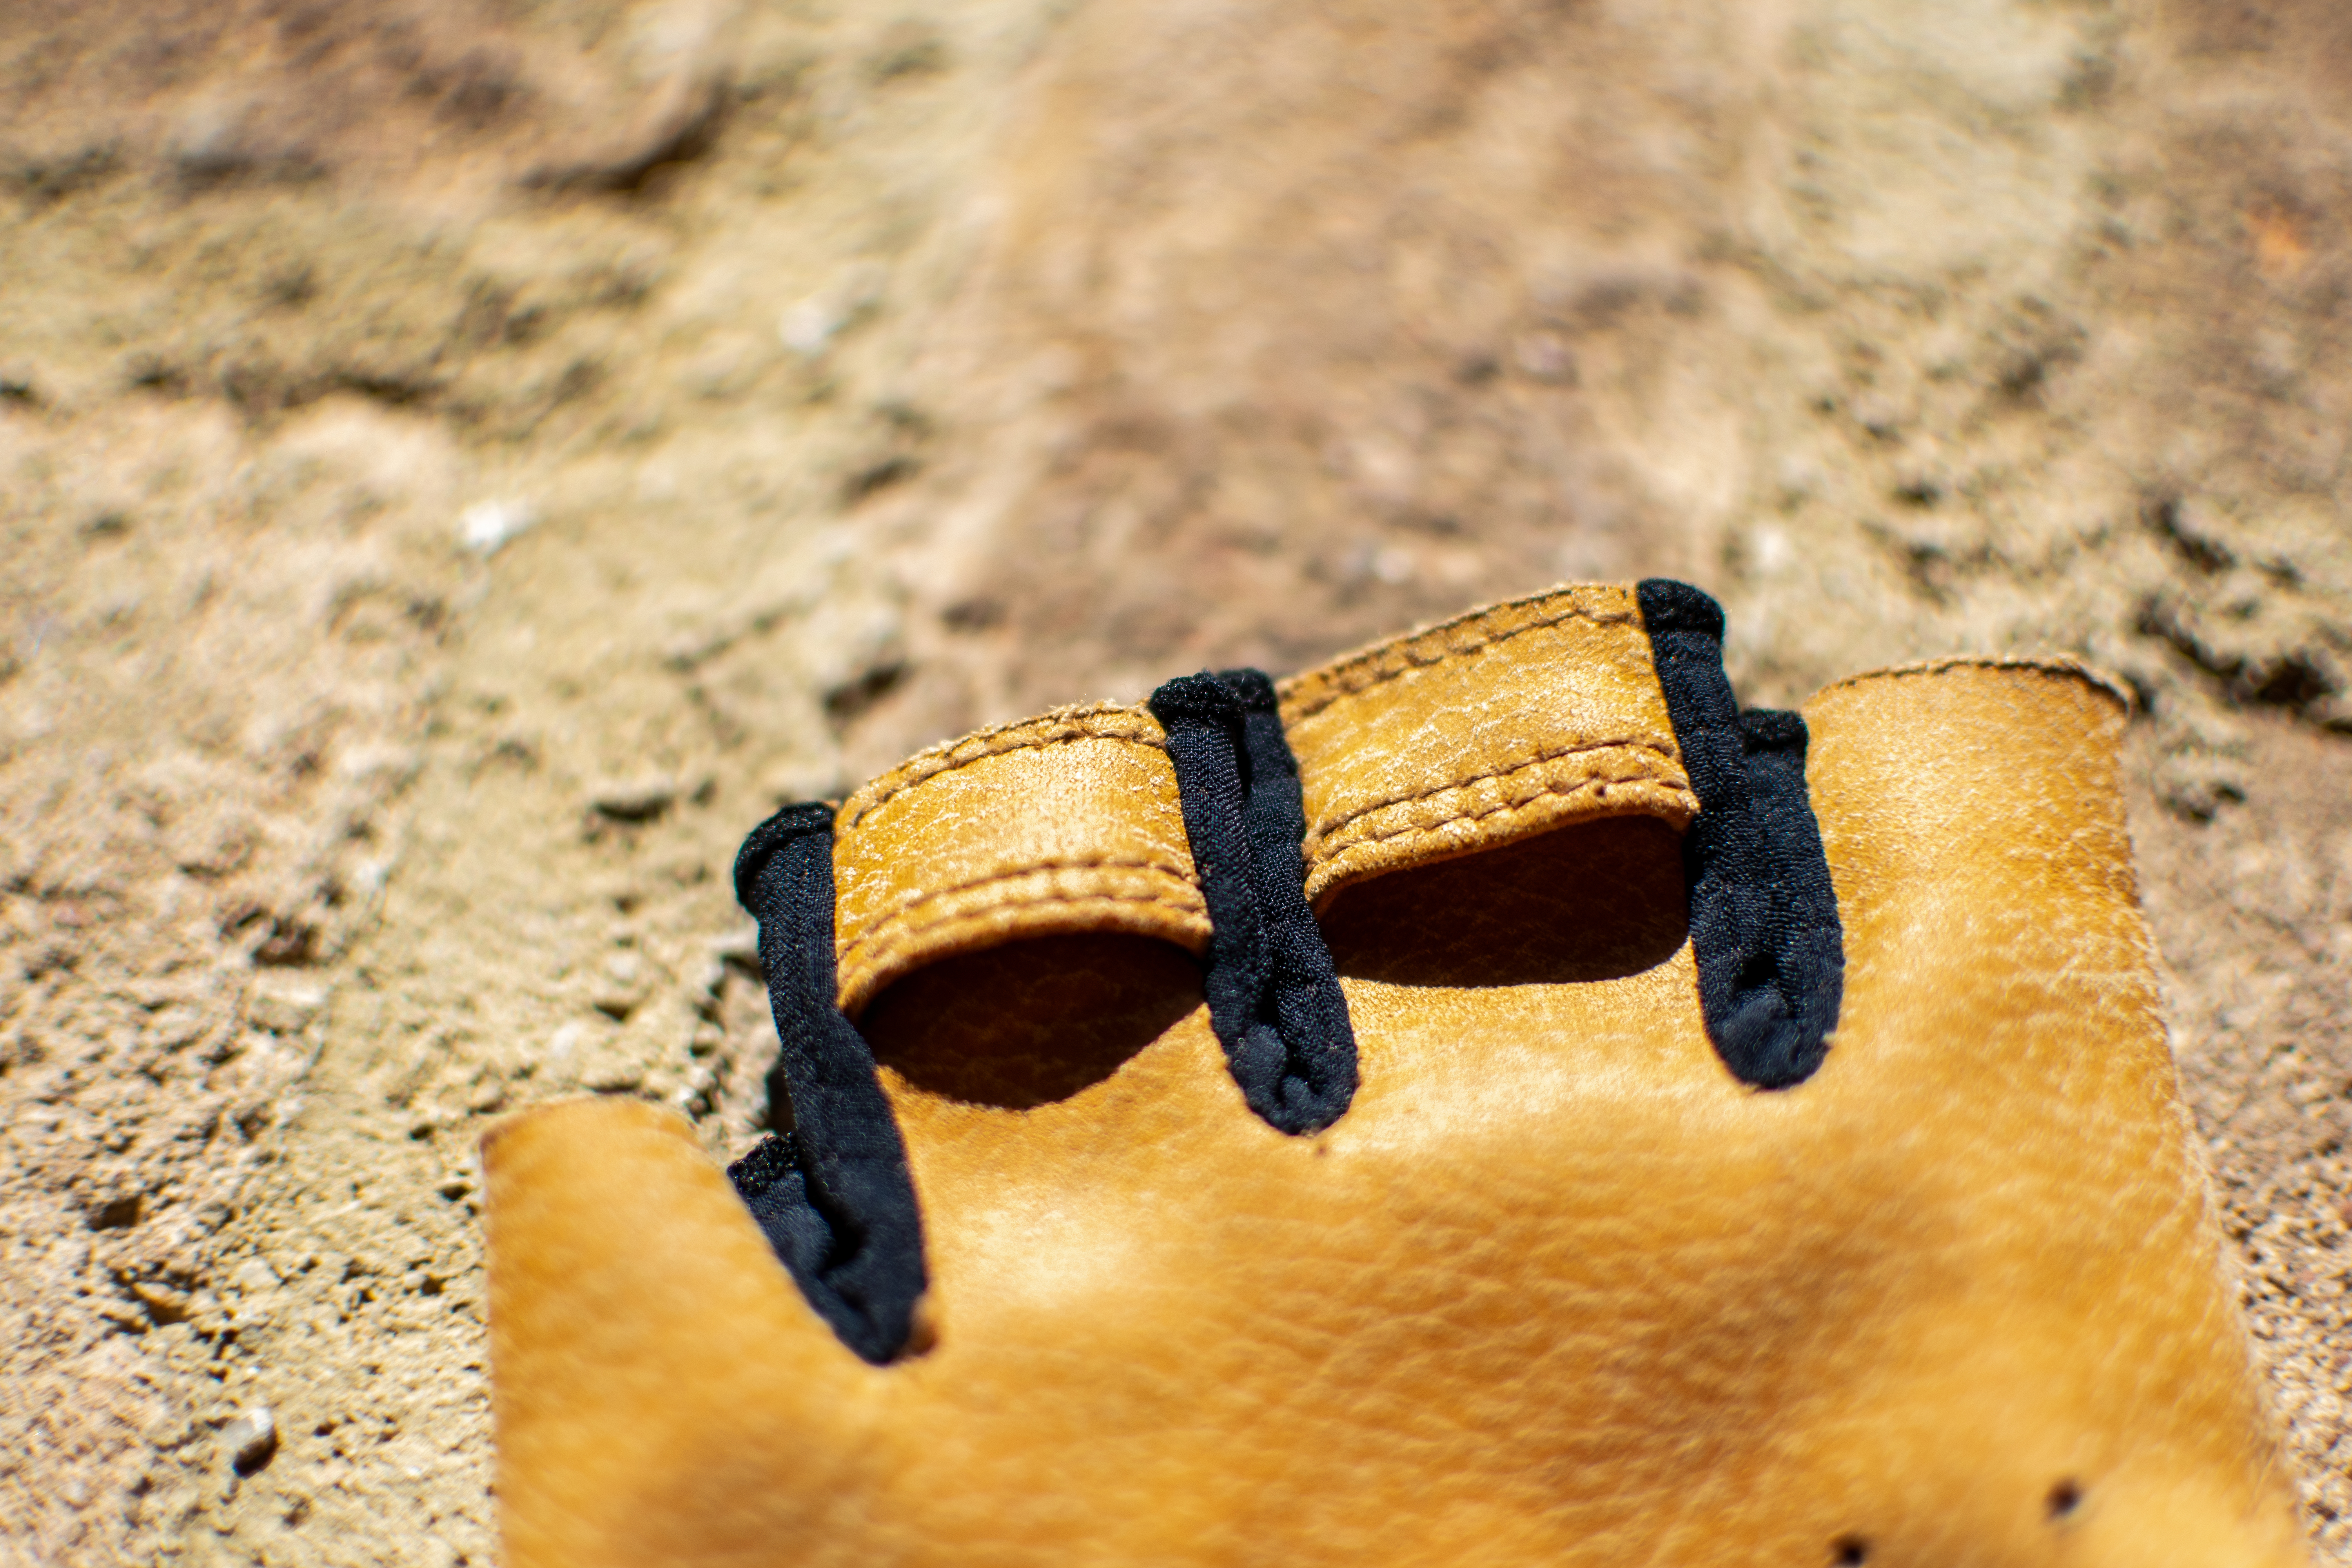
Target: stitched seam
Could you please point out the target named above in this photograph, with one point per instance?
(1392, 647)
(878, 927)
(1471, 816)
(879, 971)
(998, 745)
(1404, 649)
(1637, 742)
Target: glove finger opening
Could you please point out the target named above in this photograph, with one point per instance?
(1030, 1023)
(1597, 900)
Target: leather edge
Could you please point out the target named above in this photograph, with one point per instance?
(2104, 681)
(1020, 906)
(1088, 889)
(1076, 722)
(1304, 695)
(1470, 830)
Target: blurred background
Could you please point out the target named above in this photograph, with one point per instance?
(462, 463)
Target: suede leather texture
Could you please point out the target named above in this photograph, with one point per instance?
(1558, 1289)
(1067, 823)
(1492, 727)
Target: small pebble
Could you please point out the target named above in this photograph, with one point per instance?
(251, 1437)
(285, 1011)
(486, 526)
(633, 800)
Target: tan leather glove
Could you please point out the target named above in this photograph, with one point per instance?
(1549, 1220)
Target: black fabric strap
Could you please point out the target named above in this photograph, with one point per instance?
(1763, 917)
(1273, 997)
(833, 1194)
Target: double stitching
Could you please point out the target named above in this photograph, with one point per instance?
(1138, 730)
(1639, 742)
(1443, 823)
(1343, 676)
(878, 929)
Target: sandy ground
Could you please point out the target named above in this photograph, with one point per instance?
(460, 465)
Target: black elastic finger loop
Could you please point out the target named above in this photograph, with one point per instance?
(833, 1194)
(1273, 996)
(1763, 915)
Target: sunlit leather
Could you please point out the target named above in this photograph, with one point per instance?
(1063, 824)
(1557, 1288)
(1490, 728)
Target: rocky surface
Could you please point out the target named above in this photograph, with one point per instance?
(459, 465)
